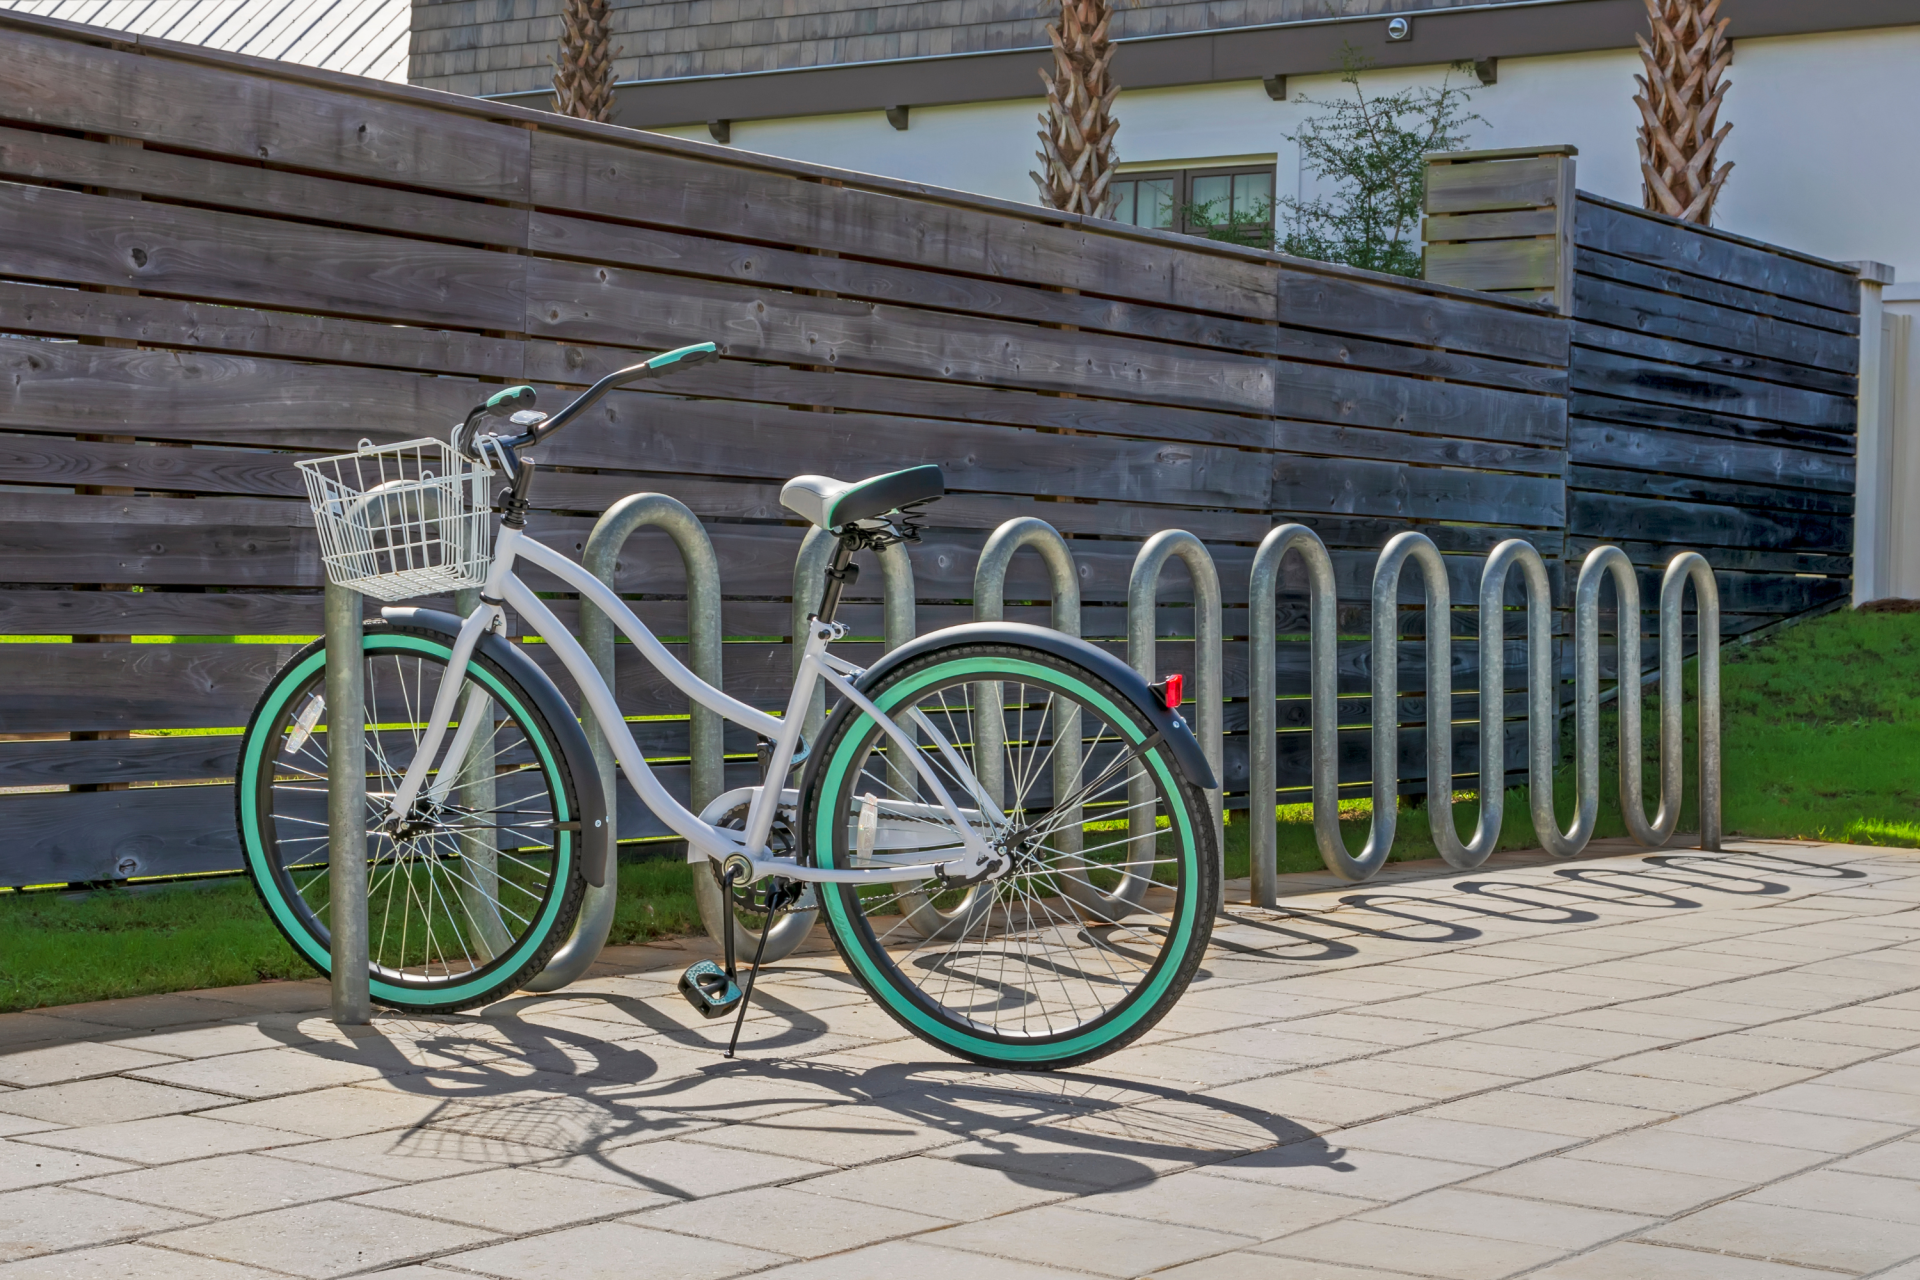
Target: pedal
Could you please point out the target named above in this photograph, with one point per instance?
(708, 989)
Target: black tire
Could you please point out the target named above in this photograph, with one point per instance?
(475, 919)
(1017, 970)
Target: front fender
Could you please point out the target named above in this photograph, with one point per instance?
(1187, 755)
(595, 843)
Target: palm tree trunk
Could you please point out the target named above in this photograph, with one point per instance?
(1076, 130)
(1679, 100)
(583, 73)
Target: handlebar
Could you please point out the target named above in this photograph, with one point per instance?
(514, 400)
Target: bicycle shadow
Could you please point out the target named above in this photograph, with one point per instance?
(532, 1080)
(532, 1092)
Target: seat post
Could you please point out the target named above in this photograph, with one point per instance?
(841, 573)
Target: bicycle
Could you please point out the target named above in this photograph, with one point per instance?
(1003, 827)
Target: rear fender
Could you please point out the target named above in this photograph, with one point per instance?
(1185, 748)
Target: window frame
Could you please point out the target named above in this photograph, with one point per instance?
(1183, 188)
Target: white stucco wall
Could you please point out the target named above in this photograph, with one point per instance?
(1822, 141)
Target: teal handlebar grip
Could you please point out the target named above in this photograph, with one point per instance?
(511, 400)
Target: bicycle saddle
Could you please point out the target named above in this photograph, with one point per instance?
(832, 503)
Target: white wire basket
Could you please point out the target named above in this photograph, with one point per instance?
(402, 520)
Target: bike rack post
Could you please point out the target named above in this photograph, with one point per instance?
(1688, 565)
(706, 753)
(347, 808)
(1691, 565)
(1385, 703)
(1324, 694)
(809, 586)
(1600, 563)
(989, 605)
(1541, 724)
(1209, 693)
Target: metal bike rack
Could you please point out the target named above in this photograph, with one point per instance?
(1690, 566)
(989, 605)
(347, 808)
(1687, 566)
(1324, 705)
(1601, 563)
(1209, 692)
(809, 585)
(705, 731)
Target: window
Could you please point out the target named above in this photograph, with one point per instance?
(1234, 202)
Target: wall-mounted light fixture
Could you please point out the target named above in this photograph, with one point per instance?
(1399, 29)
(897, 117)
(722, 131)
(1276, 88)
(1488, 69)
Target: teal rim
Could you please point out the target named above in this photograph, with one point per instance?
(911, 1005)
(264, 874)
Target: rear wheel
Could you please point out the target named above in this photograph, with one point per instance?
(472, 897)
(1103, 907)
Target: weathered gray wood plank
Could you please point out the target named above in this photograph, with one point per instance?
(1711, 325)
(71, 84)
(1642, 413)
(1634, 233)
(1496, 264)
(605, 179)
(1506, 184)
(171, 322)
(1443, 228)
(1678, 453)
(1340, 304)
(228, 257)
(581, 303)
(1679, 284)
(247, 187)
(1719, 492)
(1592, 514)
(1653, 350)
(1612, 373)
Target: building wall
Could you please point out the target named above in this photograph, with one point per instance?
(1813, 117)
(506, 46)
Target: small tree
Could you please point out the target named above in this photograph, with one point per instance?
(583, 73)
(1372, 148)
(1077, 129)
(1679, 101)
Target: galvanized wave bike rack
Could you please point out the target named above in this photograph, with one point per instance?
(706, 750)
(1600, 564)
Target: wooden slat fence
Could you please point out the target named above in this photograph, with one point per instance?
(1712, 378)
(211, 265)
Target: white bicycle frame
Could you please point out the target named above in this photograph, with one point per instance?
(743, 851)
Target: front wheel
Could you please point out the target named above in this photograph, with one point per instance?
(467, 901)
(1103, 907)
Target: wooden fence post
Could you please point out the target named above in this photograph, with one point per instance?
(1502, 222)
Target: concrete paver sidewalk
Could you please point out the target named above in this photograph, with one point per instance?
(1631, 1066)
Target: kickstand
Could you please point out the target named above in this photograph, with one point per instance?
(746, 992)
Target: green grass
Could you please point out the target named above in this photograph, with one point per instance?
(59, 948)
(1822, 735)
(64, 948)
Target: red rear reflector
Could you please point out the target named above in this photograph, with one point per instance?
(1176, 685)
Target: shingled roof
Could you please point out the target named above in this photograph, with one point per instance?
(359, 37)
(503, 46)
